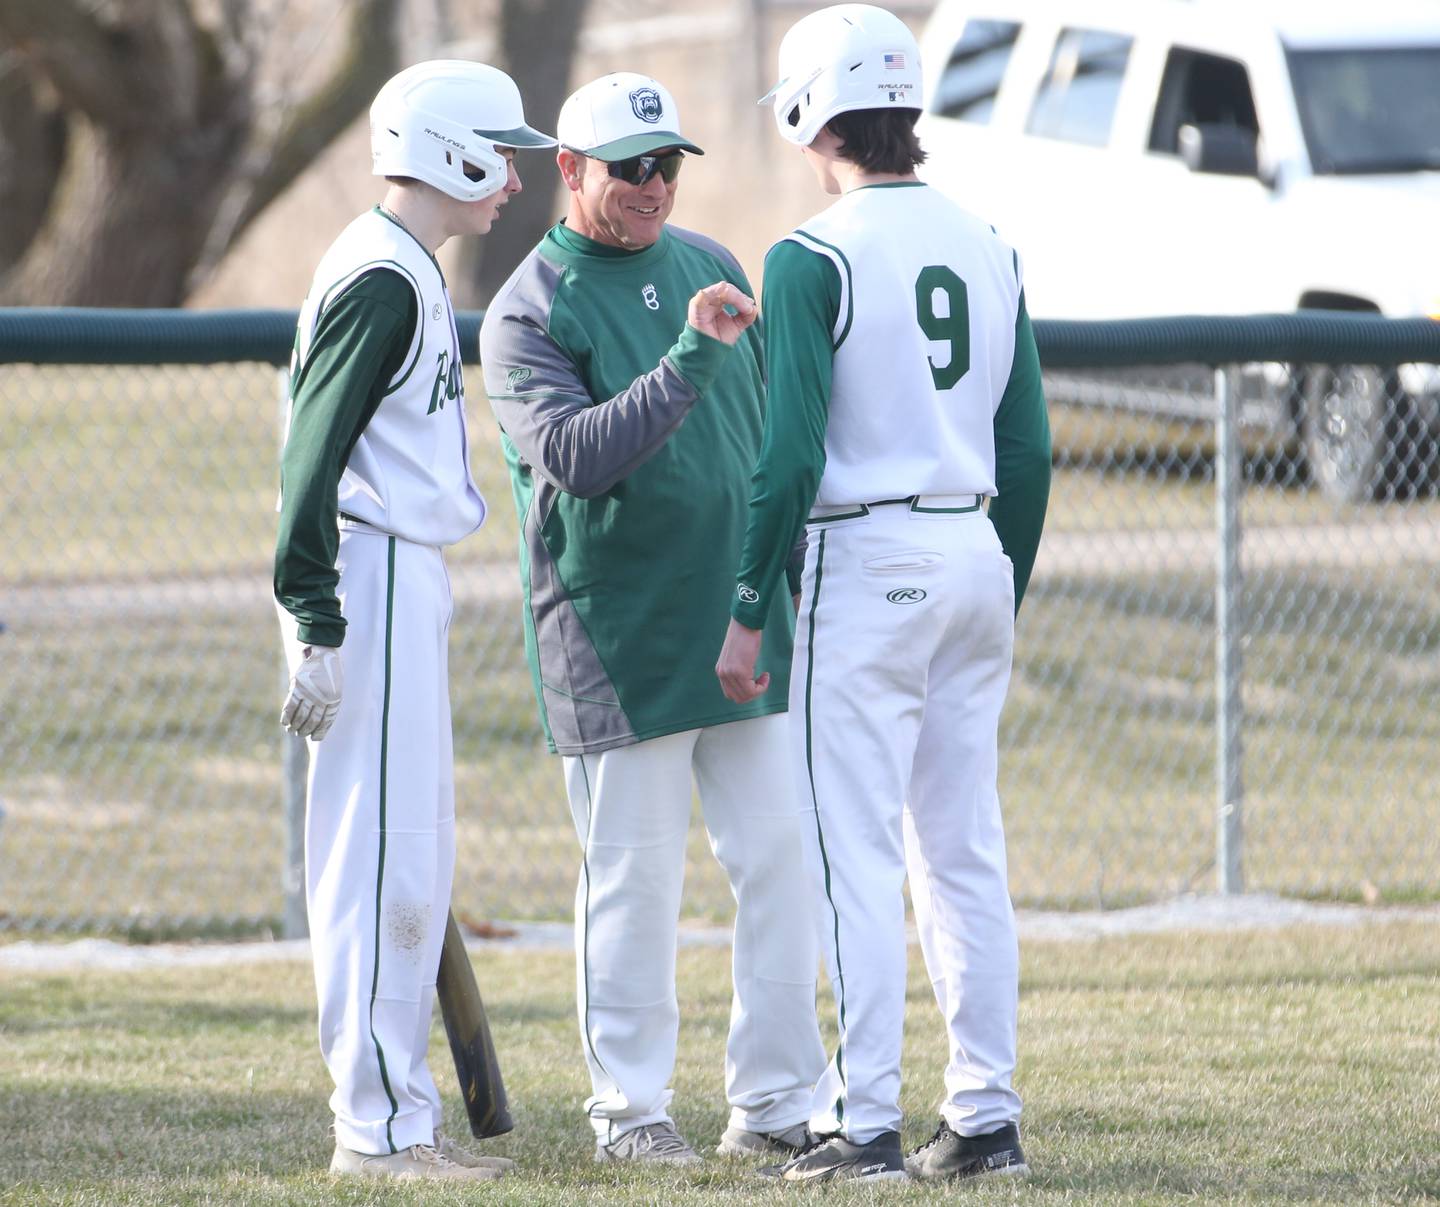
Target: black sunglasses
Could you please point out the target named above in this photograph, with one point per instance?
(639, 169)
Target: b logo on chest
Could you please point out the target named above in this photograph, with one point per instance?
(652, 299)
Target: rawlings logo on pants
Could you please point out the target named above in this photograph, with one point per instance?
(906, 595)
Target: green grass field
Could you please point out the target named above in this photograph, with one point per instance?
(140, 759)
(1289, 1066)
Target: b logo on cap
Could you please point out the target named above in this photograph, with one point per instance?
(646, 103)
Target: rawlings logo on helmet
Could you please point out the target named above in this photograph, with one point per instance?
(646, 104)
(423, 126)
(445, 138)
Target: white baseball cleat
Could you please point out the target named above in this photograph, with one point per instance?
(656, 1142)
(452, 1151)
(738, 1142)
(409, 1164)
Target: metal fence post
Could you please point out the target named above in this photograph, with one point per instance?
(1229, 624)
(294, 768)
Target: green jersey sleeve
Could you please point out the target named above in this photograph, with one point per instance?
(801, 303)
(1022, 457)
(359, 344)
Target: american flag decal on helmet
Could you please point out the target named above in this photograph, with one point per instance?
(894, 60)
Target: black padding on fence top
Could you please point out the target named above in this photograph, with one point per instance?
(1336, 337)
(200, 337)
(467, 323)
(86, 336)
(97, 336)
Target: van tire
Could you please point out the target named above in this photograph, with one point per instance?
(1348, 420)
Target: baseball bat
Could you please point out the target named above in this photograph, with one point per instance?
(468, 1029)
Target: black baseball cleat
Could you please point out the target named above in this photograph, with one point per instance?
(832, 1158)
(947, 1154)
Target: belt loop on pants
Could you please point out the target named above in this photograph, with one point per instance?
(918, 504)
(351, 523)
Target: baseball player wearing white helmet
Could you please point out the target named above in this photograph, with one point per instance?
(375, 481)
(904, 391)
(631, 401)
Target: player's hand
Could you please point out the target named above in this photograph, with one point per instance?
(708, 315)
(736, 668)
(314, 699)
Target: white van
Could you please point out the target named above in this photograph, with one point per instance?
(1171, 157)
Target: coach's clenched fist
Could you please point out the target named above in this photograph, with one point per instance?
(709, 316)
(736, 667)
(314, 699)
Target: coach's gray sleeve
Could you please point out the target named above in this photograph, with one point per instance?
(580, 444)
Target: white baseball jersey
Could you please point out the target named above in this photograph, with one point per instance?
(409, 472)
(923, 344)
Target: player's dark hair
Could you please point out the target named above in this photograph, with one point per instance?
(879, 140)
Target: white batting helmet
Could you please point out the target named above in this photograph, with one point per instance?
(842, 58)
(441, 121)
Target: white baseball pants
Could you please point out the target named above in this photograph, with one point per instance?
(631, 808)
(902, 662)
(380, 841)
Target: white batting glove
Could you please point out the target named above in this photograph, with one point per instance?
(314, 699)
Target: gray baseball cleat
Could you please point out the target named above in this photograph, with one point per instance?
(409, 1164)
(947, 1154)
(737, 1142)
(657, 1142)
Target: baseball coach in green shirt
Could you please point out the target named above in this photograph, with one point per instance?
(623, 361)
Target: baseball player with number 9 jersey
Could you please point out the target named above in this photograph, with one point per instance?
(907, 435)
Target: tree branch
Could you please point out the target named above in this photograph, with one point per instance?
(78, 55)
(128, 67)
(370, 59)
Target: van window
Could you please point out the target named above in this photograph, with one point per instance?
(1076, 100)
(1200, 89)
(972, 77)
(1370, 110)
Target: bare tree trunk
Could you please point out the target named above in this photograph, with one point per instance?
(157, 130)
(32, 152)
(537, 47)
(128, 221)
(155, 120)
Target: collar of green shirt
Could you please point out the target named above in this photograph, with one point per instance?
(579, 246)
(585, 246)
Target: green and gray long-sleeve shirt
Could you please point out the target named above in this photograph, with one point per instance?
(630, 439)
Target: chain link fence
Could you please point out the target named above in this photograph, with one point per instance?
(1225, 675)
